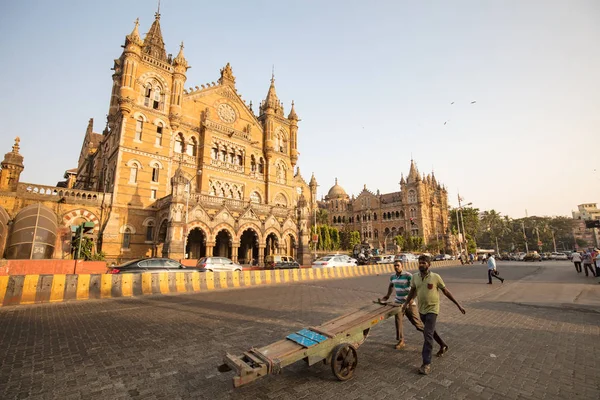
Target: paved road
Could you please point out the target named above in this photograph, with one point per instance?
(527, 338)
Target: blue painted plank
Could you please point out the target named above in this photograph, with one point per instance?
(312, 335)
(301, 340)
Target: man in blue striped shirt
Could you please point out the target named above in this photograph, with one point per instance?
(400, 282)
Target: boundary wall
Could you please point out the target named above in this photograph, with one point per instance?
(33, 289)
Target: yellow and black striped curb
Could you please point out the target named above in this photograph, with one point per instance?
(31, 289)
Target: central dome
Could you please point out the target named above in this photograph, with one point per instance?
(336, 192)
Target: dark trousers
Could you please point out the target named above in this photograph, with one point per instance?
(490, 274)
(413, 316)
(430, 334)
(585, 268)
(577, 266)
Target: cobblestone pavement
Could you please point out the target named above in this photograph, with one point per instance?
(168, 347)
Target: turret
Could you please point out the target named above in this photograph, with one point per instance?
(313, 188)
(293, 118)
(269, 108)
(180, 66)
(12, 166)
(125, 69)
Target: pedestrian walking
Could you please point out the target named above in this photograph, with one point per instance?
(577, 261)
(587, 263)
(425, 286)
(596, 260)
(400, 282)
(492, 271)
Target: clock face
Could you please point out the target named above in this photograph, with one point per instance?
(226, 113)
(299, 190)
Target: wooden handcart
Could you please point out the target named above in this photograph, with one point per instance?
(335, 342)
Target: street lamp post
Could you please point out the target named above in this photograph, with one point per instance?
(458, 227)
(462, 218)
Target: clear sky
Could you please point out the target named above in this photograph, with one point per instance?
(373, 84)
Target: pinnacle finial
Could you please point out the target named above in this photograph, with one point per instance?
(15, 148)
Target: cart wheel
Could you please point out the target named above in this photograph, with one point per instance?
(344, 359)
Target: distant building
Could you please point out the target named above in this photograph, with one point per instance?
(420, 209)
(587, 212)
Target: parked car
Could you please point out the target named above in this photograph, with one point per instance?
(442, 257)
(344, 256)
(280, 262)
(149, 265)
(532, 256)
(332, 262)
(521, 256)
(558, 256)
(406, 257)
(212, 264)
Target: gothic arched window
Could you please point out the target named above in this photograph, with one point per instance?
(126, 238)
(159, 134)
(133, 173)
(150, 231)
(139, 127)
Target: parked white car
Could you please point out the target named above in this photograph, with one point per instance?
(212, 264)
(344, 256)
(406, 257)
(558, 256)
(332, 262)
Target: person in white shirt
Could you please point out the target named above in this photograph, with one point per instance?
(492, 271)
(577, 261)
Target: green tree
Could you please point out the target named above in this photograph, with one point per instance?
(400, 242)
(322, 216)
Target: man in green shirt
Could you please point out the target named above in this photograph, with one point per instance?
(424, 286)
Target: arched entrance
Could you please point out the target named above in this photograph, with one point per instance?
(289, 244)
(195, 247)
(223, 244)
(271, 244)
(248, 249)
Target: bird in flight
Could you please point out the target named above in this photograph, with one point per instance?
(473, 102)
(452, 103)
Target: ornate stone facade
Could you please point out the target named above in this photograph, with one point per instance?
(183, 172)
(420, 208)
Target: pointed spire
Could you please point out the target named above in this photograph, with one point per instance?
(433, 181)
(180, 59)
(272, 101)
(402, 180)
(154, 44)
(227, 77)
(313, 181)
(134, 36)
(413, 174)
(293, 116)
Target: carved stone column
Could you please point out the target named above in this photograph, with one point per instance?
(234, 251)
(261, 255)
(210, 248)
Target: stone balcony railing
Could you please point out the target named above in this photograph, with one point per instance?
(263, 209)
(158, 63)
(52, 193)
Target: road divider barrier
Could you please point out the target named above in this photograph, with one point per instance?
(33, 289)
